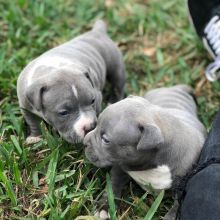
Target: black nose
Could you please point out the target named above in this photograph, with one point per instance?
(90, 128)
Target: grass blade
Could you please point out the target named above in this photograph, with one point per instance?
(51, 172)
(17, 173)
(16, 144)
(154, 206)
(8, 186)
(111, 201)
(14, 120)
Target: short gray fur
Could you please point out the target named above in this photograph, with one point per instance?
(45, 90)
(138, 134)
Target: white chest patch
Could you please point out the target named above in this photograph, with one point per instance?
(159, 178)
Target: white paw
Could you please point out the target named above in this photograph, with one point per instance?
(104, 215)
(33, 140)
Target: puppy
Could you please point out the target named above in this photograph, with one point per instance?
(63, 86)
(154, 140)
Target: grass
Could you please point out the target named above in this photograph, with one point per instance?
(52, 179)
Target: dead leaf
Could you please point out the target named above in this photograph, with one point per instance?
(149, 51)
(109, 3)
(42, 181)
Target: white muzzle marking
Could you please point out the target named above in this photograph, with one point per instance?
(83, 122)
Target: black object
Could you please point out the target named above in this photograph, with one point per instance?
(205, 16)
(201, 11)
(200, 200)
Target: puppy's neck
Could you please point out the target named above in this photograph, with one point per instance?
(147, 161)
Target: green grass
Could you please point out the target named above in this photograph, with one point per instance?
(52, 179)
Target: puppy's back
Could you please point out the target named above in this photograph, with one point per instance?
(176, 97)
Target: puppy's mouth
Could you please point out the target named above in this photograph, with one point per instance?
(77, 140)
(98, 161)
(91, 157)
(94, 160)
(71, 139)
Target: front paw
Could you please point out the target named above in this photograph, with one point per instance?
(103, 214)
(33, 140)
(172, 213)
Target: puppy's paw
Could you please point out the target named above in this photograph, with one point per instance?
(33, 140)
(169, 217)
(171, 214)
(103, 214)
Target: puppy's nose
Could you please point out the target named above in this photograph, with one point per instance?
(89, 128)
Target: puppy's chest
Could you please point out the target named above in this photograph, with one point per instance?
(159, 178)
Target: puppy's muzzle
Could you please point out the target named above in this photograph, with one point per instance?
(89, 128)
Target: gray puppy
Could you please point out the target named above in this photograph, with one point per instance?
(63, 86)
(155, 140)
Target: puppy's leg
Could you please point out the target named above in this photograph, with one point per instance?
(171, 214)
(33, 122)
(116, 78)
(118, 180)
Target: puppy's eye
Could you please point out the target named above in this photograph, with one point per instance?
(63, 113)
(93, 101)
(104, 139)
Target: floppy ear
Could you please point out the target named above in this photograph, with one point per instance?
(98, 104)
(90, 77)
(151, 136)
(34, 95)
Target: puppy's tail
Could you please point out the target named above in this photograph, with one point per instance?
(100, 25)
(189, 90)
(185, 88)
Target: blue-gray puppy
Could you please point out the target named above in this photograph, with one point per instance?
(63, 86)
(155, 139)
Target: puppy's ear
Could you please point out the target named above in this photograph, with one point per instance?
(90, 76)
(151, 136)
(98, 104)
(34, 95)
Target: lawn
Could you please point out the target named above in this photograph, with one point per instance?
(52, 179)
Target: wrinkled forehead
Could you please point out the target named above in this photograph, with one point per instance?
(59, 93)
(82, 89)
(119, 128)
(72, 93)
(117, 119)
(124, 110)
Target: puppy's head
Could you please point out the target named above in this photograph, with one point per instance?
(68, 102)
(125, 132)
